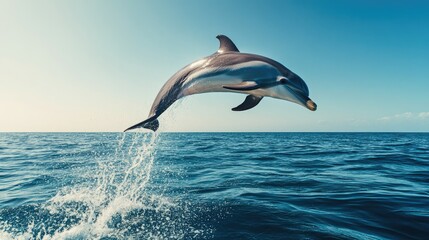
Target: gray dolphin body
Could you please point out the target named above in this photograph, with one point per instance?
(228, 70)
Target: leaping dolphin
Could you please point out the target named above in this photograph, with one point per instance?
(228, 70)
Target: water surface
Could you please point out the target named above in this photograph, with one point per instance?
(214, 186)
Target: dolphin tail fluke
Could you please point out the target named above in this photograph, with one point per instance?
(151, 123)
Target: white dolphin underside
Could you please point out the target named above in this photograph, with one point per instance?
(197, 82)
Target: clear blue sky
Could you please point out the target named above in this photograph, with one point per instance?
(98, 65)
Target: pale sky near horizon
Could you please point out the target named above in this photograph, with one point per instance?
(98, 65)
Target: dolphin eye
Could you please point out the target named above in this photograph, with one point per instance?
(283, 81)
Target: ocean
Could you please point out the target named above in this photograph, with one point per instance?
(214, 186)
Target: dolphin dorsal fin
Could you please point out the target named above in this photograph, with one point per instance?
(226, 44)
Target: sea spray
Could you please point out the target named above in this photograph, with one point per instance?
(116, 201)
(119, 189)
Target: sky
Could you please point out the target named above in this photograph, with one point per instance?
(89, 66)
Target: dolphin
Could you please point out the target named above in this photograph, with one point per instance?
(229, 70)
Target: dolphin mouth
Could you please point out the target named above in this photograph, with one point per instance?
(302, 99)
(311, 105)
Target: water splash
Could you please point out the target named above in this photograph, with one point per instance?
(116, 202)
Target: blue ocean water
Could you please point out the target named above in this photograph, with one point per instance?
(214, 186)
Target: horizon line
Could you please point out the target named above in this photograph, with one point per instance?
(218, 132)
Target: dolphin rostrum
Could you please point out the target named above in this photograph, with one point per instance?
(228, 70)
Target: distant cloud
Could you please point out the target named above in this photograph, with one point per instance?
(406, 116)
(424, 115)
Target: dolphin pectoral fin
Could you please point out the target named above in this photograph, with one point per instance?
(243, 86)
(250, 102)
(151, 123)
